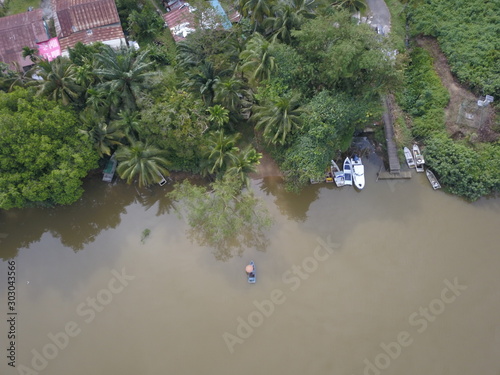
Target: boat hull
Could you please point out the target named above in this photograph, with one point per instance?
(347, 172)
(409, 158)
(419, 159)
(433, 180)
(358, 173)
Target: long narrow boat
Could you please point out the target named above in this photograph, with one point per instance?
(419, 159)
(338, 175)
(432, 179)
(251, 275)
(347, 172)
(409, 158)
(358, 172)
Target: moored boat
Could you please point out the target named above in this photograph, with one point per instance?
(347, 172)
(358, 172)
(250, 269)
(409, 158)
(419, 159)
(432, 179)
(338, 175)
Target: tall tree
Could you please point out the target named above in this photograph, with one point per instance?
(218, 115)
(246, 162)
(256, 10)
(123, 72)
(258, 63)
(141, 161)
(58, 80)
(220, 152)
(279, 118)
(104, 136)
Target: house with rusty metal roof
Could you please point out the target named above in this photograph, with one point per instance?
(87, 21)
(18, 31)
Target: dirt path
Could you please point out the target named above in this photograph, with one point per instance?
(457, 92)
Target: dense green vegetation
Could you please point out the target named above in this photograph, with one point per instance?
(466, 169)
(302, 74)
(468, 33)
(42, 156)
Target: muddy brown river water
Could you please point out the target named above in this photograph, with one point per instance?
(395, 279)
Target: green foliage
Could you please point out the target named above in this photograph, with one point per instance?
(347, 56)
(145, 234)
(145, 24)
(222, 216)
(176, 123)
(467, 31)
(142, 161)
(42, 156)
(462, 170)
(292, 69)
(423, 96)
(330, 123)
(82, 54)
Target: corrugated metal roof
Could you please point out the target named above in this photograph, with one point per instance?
(18, 31)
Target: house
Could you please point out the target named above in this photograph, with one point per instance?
(181, 21)
(87, 21)
(18, 31)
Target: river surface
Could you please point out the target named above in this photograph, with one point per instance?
(395, 279)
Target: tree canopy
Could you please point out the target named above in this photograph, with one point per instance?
(43, 157)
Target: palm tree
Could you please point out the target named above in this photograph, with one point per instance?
(218, 115)
(31, 53)
(245, 162)
(10, 78)
(123, 73)
(203, 80)
(104, 136)
(58, 80)
(143, 161)
(228, 93)
(258, 62)
(257, 10)
(220, 152)
(288, 15)
(278, 118)
(128, 121)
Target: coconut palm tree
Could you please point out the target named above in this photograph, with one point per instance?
(256, 10)
(128, 121)
(220, 152)
(288, 15)
(218, 115)
(245, 162)
(10, 78)
(104, 136)
(203, 79)
(258, 64)
(124, 73)
(228, 93)
(278, 118)
(142, 161)
(58, 80)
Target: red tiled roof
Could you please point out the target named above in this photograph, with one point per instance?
(78, 15)
(18, 31)
(87, 21)
(179, 15)
(100, 34)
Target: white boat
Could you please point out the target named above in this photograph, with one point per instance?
(419, 159)
(338, 175)
(432, 179)
(347, 172)
(409, 158)
(358, 172)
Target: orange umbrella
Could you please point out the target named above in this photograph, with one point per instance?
(249, 268)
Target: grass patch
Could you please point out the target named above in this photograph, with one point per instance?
(21, 6)
(398, 23)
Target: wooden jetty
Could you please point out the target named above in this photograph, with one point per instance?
(392, 152)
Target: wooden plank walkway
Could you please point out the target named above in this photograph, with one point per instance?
(384, 175)
(394, 166)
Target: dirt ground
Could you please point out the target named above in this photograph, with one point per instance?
(458, 95)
